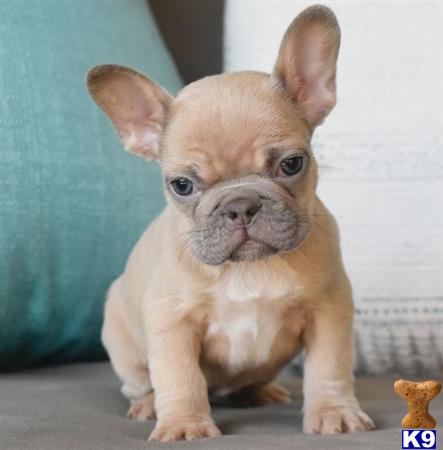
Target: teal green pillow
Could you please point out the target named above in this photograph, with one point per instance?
(73, 203)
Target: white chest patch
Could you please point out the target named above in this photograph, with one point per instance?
(244, 330)
(248, 312)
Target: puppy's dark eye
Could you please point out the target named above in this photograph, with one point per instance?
(291, 166)
(182, 186)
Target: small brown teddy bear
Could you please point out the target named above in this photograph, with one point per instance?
(418, 395)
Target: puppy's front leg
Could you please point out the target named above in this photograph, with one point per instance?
(330, 402)
(181, 396)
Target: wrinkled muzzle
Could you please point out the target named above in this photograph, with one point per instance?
(246, 219)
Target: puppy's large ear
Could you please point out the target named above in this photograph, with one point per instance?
(135, 104)
(306, 63)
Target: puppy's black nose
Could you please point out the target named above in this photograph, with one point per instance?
(241, 211)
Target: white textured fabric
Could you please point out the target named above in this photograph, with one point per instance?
(381, 153)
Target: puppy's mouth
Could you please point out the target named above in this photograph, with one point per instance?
(248, 247)
(216, 245)
(251, 250)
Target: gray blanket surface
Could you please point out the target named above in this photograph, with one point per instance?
(80, 407)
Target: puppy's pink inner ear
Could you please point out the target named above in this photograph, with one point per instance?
(317, 93)
(143, 140)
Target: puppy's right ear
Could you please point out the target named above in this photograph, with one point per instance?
(306, 64)
(135, 104)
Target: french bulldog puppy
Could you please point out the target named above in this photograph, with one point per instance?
(243, 267)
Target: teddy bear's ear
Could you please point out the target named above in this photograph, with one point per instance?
(135, 104)
(306, 64)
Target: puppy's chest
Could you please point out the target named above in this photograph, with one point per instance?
(253, 321)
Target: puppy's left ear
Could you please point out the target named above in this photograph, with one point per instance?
(136, 105)
(307, 60)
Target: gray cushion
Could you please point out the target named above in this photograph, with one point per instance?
(80, 407)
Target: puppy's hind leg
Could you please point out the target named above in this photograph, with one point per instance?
(262, 395)
(127, 355)
(143, 409)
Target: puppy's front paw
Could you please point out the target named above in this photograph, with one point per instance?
(179, 429)
(336, 419)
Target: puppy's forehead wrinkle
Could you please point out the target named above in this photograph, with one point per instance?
(237, 185)
(248, 185)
